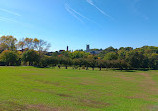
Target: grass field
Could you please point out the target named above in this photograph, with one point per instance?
(31, 89)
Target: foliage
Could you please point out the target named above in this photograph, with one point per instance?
(34, 52)
(111, 56)
(9, 57)
(30, 56)
(8, 43)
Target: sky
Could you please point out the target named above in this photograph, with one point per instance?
(100, 23)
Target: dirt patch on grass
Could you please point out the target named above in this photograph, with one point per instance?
(148, 84)
(138, 96)
(93, 104)
(144, 74)
(40, 107)
(151, 108)
(44, 91)
(64, 95)
(87, 81)
(25, 76)
(125, 78)
(52, 92)
(83, 84)
(12, 106)
(48, 82)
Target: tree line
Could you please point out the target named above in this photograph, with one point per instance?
(33, 52)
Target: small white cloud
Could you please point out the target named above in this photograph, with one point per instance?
(7, 20)
(68, 9)
(101, 11)
(90, 2)
(78, 15)
(10, 12)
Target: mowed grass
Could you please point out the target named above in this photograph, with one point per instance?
(35, 89)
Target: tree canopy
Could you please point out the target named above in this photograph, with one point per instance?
(33, 51)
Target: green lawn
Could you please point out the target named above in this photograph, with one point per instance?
(35, 89)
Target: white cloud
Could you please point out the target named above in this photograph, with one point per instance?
(101, 11)
(90, 2)
(72, 12)
(10, 12)
(79, 14)
(7, 20)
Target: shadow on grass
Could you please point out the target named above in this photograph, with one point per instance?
(103, 69)
(130, 70)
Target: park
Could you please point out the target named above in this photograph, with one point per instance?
(33, 79)
(78, 55)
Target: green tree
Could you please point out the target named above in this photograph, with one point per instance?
(66, 62)
(111, 56)
(153, 61)
(9, 57)
(79, 54)
(101, 63)
(91, 62)
(46, 61)
(30, 56)
(78, 62)
(135, 59)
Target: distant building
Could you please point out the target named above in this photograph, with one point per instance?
(23, 50)
(88, 48)
(60, 51)
(93, 51)
(67, 48)
(49, 53)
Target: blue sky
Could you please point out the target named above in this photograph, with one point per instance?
(100, 23)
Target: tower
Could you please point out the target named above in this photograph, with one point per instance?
(67, 48)
(87, 48)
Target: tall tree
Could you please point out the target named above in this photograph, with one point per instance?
(28, 43)
(41, 45)
(8, 43)
(21, 45)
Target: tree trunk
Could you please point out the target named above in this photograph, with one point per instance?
(30, 63)
(65, 67)
(100, 68)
